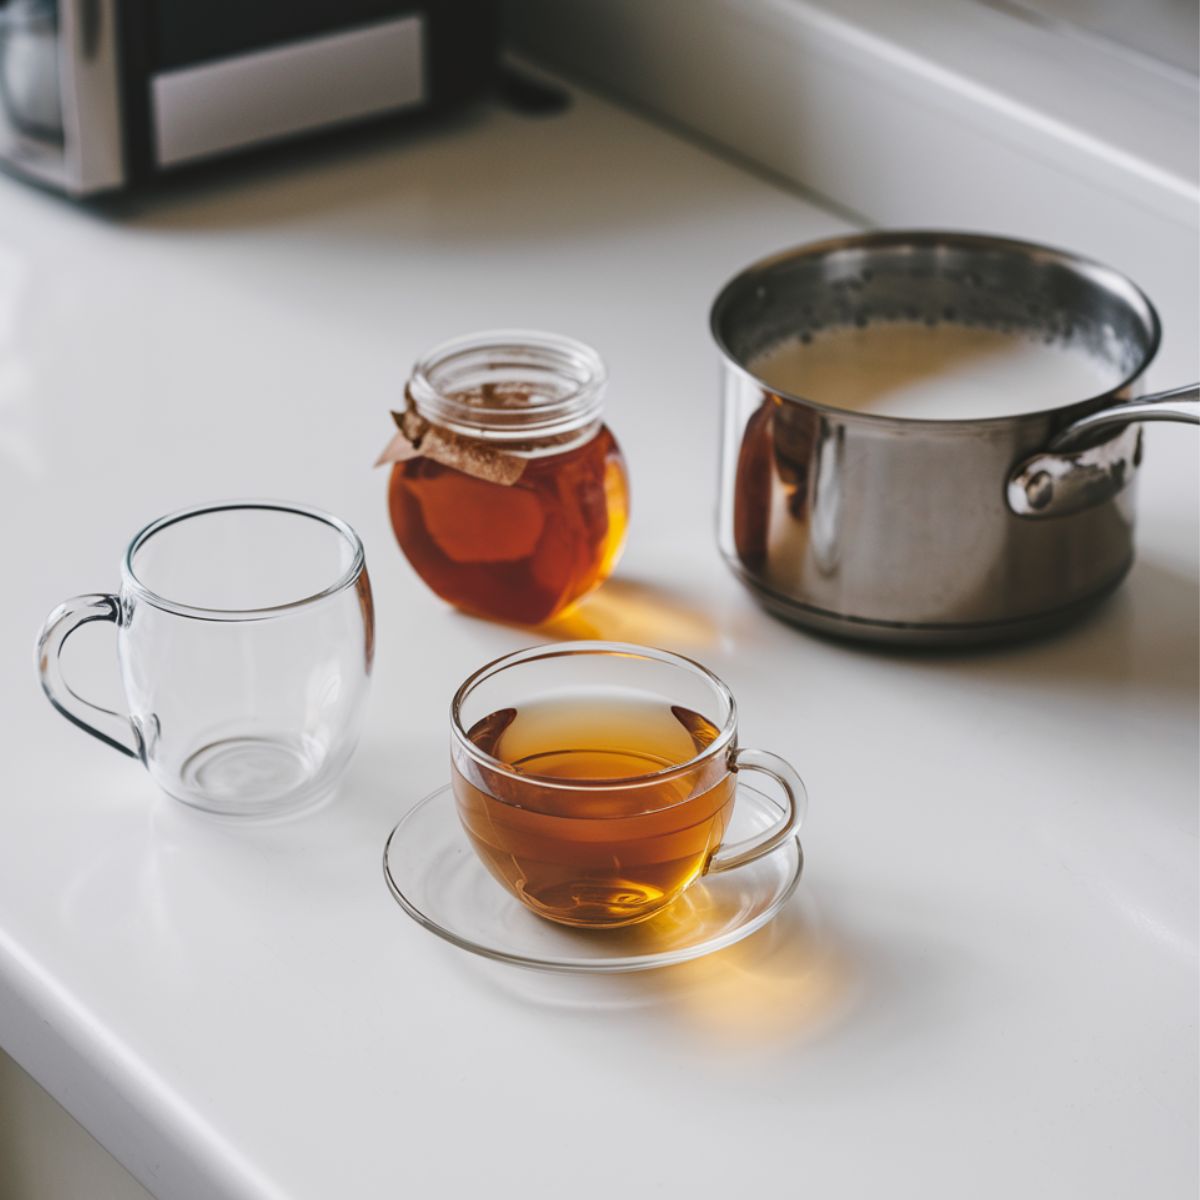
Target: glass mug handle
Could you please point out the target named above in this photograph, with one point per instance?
(110, 727)
(746, 851)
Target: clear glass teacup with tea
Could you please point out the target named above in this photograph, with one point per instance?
(596, 780)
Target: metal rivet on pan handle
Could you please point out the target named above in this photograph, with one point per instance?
(1065, 479)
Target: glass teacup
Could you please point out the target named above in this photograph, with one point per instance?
(596, 780)
(245, 632)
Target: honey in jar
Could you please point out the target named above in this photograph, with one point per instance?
(508, 492)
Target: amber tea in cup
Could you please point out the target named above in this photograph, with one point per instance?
(596, 780)
(662, 834)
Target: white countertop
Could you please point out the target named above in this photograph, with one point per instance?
(987, 984)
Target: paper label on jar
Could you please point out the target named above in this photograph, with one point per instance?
(415, 437)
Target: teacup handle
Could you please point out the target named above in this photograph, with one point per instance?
(110, 727)
(740, 853)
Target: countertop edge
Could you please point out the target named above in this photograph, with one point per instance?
(114, 1095)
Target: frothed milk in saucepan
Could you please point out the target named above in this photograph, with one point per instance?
(933, 372)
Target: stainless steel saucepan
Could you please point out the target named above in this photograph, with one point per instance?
(933, 531)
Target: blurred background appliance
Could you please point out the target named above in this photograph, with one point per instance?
(97, 95)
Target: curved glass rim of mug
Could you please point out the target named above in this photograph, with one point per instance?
(616, 649)
(347, 578)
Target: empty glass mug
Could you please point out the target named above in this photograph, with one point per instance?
(596, 780)
(245, 634)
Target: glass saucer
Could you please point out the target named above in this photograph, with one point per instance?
(437, 879)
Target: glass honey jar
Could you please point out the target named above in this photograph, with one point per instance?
(508, 493)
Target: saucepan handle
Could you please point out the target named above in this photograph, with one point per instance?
(1073, 473)
(1178, 404)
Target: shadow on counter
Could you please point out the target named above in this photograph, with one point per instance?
(1144, 635)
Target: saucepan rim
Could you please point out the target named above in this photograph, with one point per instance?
(1093, 272)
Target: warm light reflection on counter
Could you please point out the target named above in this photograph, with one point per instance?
(626, 610)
